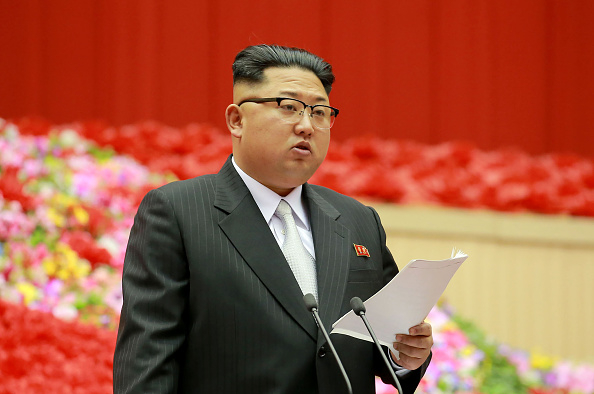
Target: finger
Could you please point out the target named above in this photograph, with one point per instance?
(411, 351)
(409, 362)
(424, 329)
(421, 342)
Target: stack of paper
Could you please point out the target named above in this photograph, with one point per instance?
(404, 302)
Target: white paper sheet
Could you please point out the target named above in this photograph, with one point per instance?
(404, 302)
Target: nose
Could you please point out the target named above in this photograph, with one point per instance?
(305, 126)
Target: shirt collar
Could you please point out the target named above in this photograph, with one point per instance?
(267, 200)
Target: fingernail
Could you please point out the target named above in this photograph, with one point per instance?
(398, 338)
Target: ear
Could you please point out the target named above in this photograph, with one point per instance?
(233, 116)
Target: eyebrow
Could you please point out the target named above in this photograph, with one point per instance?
(293, 94)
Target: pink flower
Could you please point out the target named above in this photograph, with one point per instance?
(584, 379)
(114, 298)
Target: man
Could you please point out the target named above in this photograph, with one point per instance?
(211, 303)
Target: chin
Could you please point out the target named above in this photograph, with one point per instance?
(292, 182)
(295, 175)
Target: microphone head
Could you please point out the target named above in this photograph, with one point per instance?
(310, 302)
(357, 306)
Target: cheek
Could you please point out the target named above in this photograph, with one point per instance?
(323, 145)
(265, 145)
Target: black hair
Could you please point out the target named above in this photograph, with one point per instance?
(250, 63)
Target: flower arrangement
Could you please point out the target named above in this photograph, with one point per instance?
(460, 175)
(66, 208)
(67, 203)
(452, 174)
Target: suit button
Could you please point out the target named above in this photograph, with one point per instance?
(322, 352)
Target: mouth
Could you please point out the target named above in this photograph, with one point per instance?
(303, 146)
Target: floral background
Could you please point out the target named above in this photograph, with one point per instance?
(68, 195)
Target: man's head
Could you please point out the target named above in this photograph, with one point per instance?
(251, 62)
(278, 151)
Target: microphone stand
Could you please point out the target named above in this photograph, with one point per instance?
(312, 306)
(359, 309)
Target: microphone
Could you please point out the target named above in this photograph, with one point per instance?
(359, 309)
(312, 306)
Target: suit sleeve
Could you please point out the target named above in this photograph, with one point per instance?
(409, 380)
(155, 285)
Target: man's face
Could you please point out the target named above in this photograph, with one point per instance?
(278, 155)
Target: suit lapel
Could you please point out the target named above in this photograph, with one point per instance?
(331, 242)
(250, 235)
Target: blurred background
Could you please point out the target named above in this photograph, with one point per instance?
(497, 73)
(505, 84)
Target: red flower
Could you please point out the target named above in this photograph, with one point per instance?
(86, 247)
(12, 189)
(98, 223)
(41, 354)
(33, 126)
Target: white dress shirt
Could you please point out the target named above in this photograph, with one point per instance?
(267, 201)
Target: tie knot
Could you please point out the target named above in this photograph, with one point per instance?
(283, 209)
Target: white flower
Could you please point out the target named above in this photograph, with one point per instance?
(65, 312)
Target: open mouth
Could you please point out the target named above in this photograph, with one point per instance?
(304, 146)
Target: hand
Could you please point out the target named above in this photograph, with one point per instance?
(414, 348)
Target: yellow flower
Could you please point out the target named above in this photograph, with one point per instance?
(63, 201)
(29, 292)
(541, 361)
(49, 265)
(63, 274)
(68, 256)
(58, 219)
(468, 350)
(81, 270)
(81, 215)
(65, 263)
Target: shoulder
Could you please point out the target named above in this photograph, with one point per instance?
(336, 197)
(199, 182)
(190, 191)
(342, 203)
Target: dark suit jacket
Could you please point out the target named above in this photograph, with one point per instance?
(211, 305)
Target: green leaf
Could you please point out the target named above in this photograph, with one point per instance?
(498, 375)
(38, 236)
(94, 299)
(101, 154)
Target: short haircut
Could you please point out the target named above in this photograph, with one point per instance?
(250, 63)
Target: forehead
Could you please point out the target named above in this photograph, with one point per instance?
(291, 82)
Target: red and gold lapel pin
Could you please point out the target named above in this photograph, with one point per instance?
(361, 250)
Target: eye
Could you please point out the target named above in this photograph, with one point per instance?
(319, 112)
(288, 107)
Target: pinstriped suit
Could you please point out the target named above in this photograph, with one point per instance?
(211, 305)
